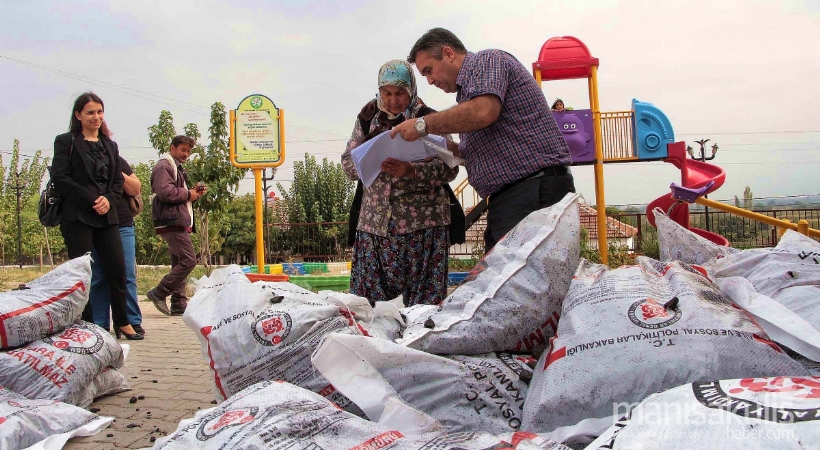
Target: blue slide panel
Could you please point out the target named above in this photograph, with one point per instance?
(651, 130)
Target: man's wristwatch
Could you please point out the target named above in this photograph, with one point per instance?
(421, 126)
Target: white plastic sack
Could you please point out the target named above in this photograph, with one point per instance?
(109, 381)
(780, 286)
(49, 304)
(523, 440)
(754, 413)
(463, 393)
(383, 320)
(247, 339)
(679, 244)
(510, 301)
(387, 322)
(43, 424)
(271, 415)
(789, 273)
(783, 325)
(61, 366)
(630, 332)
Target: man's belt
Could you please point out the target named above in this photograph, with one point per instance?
(547, 171)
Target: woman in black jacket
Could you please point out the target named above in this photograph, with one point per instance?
(85, 172)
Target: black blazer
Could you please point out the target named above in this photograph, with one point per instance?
(74, 180)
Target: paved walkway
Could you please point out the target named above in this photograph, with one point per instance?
(169, 378)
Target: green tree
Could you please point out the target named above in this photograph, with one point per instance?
(150, 248)
(748, 198)
(613, 211)
(162, 133)
(318, 194)
(213, 167)
(29, 174)
(239, 237)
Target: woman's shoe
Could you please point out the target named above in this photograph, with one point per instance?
(130, 337)
(138, 329)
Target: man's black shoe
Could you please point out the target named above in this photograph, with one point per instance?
(159, 302)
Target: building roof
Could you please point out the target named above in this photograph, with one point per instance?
(615, 229)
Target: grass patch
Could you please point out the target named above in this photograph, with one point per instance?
(147, 276)
(11, 277)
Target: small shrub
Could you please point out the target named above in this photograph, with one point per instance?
(462, 265)
(650, 246)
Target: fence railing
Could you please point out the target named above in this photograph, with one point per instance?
(741, 232)
(616, 135)
(327, 241)
(324, 241)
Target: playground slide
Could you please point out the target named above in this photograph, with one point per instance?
(694, 175)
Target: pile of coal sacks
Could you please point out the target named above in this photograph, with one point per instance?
(537, 348)
(52, 364)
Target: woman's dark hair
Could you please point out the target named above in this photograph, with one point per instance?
(76, 127)
(555, 103)
(433, 41)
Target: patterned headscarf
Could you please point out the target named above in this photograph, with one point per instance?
(399, 73)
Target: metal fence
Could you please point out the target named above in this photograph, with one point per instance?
(741, 232)
(327, 241)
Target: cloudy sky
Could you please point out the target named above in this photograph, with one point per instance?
(741, 73)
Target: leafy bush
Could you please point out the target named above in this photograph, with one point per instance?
(462, 265)
(649, 243)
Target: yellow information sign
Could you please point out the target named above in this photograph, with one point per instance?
(257, 141)
(257, 133)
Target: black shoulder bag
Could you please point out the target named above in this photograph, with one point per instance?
(50, 206)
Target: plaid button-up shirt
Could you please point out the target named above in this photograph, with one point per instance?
(523, 140)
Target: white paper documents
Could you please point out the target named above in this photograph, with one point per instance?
(368, 157)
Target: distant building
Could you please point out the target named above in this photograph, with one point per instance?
(617, 232)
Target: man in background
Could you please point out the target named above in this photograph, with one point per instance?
(173, 218)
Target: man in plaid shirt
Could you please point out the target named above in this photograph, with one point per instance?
(514, 153)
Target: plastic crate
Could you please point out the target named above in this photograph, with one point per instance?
(253, 277)
(338, 267)
(313, 267)
(455, 278)
(316, 283)
(293, 268)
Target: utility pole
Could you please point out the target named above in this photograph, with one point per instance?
(702, 158)
(19, 190)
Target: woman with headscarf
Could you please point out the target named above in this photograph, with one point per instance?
(401, 238)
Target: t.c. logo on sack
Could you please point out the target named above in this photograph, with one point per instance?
(751, 405)
(19, 405)
(808, 387)
(79, 338)
(215, 423)
(272, 327)
(652, 315)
